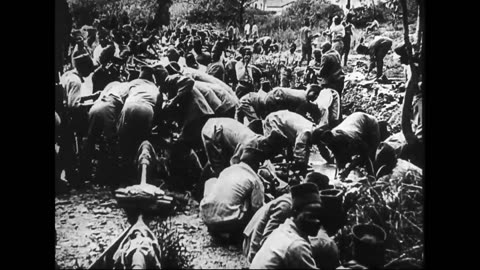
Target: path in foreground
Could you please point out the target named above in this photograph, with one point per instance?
(88, 221)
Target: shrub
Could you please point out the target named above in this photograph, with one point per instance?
(383, 13)
(85, 11)
(396, 206)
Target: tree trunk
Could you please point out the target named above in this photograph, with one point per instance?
(411, 84)
(241, 14)
(421, 35)
(373, 6)
(418, 32)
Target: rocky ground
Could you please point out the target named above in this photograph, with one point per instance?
(382, 100)
(87, 221)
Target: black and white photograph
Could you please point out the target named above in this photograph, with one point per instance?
(239, 134)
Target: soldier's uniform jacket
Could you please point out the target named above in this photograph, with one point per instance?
(223, 93)
(363, 135)
(237, 191)
(295, 128)
(286, 248)
(281, 98)
(252, 106)
(378, 47)
(328, 102)
(72, 84)
(104, 113)
(262, 224)
(331, 69)
(217, 70)
(225, 140)
(143, 91)
(192, 103)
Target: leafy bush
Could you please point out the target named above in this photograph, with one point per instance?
(397, 207)
(174, 254)
(384, 12)
(85, 11)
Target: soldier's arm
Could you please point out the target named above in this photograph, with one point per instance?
(185, 85)
(323, 67)
(279, 213)
(299, 256)
(258, 195)
(73, 93)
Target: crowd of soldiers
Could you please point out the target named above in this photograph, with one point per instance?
(234, 120)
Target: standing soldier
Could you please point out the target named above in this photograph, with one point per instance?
(255, 31)
(231, 35)
(75, 118)
(288, 63)
(347, 40)
(246, 30)
(330, 70)
(338, 33)
(244, 72)
(306, 40)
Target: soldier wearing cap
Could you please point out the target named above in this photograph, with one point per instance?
(103, 42)
(76, 118)
(289, 246)
(72, 80)
(244, 73)
(238, 192)
(289, 61)
(274, 213)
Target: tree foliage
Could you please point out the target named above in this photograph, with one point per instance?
(85, 11)
(222, 11)
(383, 12)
